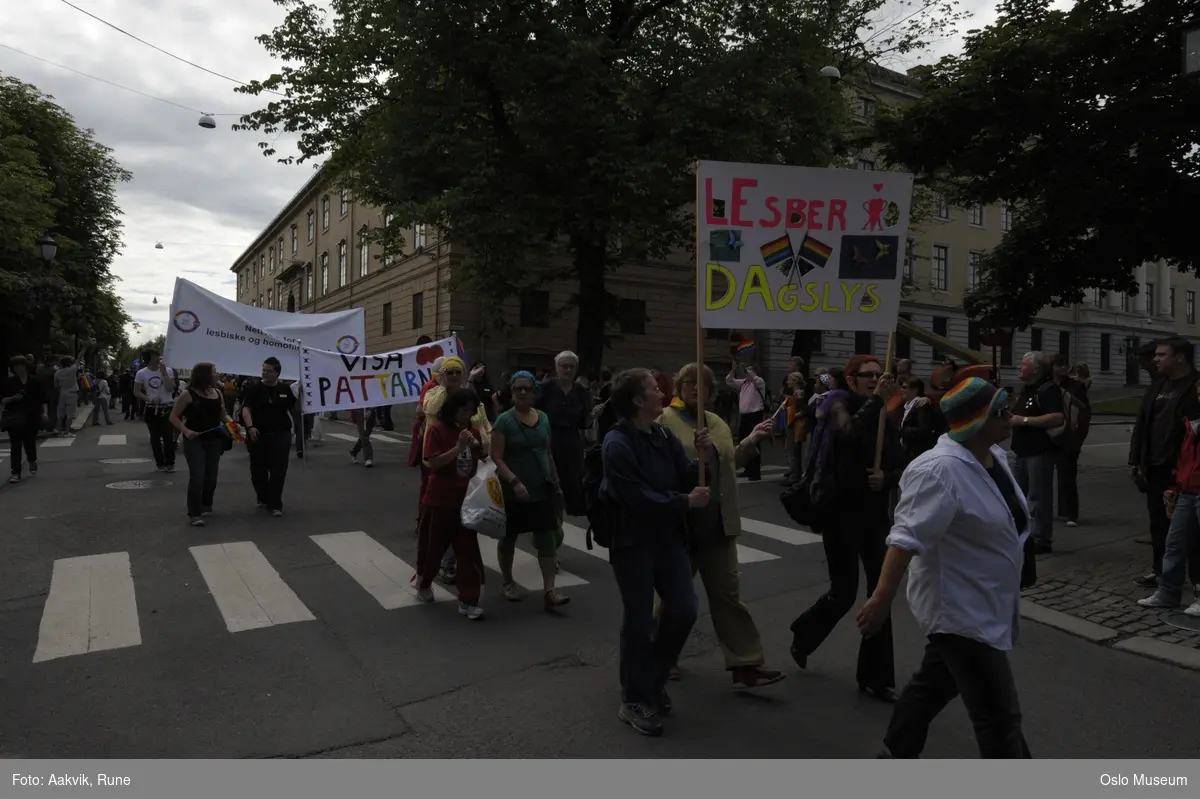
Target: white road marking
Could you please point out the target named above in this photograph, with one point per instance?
(748, 555)
(787, 535)
(342, 436)
(526, 571)
(115, 440)
(374, 567)
(57, 442)
(248, 591)
(91, 607)
(391, 438)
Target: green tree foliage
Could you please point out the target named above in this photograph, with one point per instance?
(1082, 119)
(554, 137)
(54, 177)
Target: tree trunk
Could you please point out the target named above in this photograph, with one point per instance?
(590, 263)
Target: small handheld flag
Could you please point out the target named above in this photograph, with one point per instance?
(231, 430)
(744, 347)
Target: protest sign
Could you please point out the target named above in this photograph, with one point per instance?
(237, 338)
(335, 381)
(795, 248)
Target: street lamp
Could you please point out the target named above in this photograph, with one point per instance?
(48, 247)
(1191, 51)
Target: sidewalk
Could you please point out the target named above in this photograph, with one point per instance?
(1086, 586)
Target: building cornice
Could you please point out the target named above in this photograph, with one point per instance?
(287, 211)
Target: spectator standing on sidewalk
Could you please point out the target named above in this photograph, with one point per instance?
(1039, 410)
(1157, 437)
(1070, 443)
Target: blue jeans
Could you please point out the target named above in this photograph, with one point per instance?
(661, 566)
(1035, 478)
(1182, 539)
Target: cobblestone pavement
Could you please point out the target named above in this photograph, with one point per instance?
(1091, 572)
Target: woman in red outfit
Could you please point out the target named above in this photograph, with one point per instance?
(452, 452)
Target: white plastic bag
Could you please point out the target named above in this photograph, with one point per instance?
(483, 507)
(317, 433)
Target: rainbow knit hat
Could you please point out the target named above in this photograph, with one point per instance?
(967, 406)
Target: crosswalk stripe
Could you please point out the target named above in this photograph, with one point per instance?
(576, 538)
(787, 535)
(342, 436)
(749, 555)
(527, 573)
(91, 607)
(115, 440)
(374, 567)
(57, 442)
(248, 591)
(398, 439)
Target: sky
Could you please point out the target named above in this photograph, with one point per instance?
(204, 194)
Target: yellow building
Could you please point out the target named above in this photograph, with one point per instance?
(312, 257)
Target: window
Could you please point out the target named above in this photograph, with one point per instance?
(976, 215)
(939, 328)
(387, 223)
(943, 210)
(1150, 299)
(632, 317)
(903, 342)
(535, 308)
(364, 253)
(418, 310)
(295, 240)
(259, 301)
(1105, 354)
(270, 299)
(866, 163)
(262, 267)
(910, 261)
(387, 319)
(420, 237)
(1064, 343)
(941, 267)
(973, 259)
(311, 231)
(1006, 217)
(864, 342)
(342, 276)
(1124, 302)
(308, 283)
(974, 339)
(280, 248)
(1035, 339)
(324, 273)
(1189, 307)
(1172, 301)
(325, 212)
(344, 202)
(1096, 297)
(271, 260)
(866, 108)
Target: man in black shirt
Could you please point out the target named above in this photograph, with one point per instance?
(1157, 437)
(267, 414)
(1039, 412)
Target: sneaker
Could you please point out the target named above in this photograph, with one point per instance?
(472, 612)
(425, 594)
(276, 513)
(368, 463)
(1193, 609)
(170, 468)
(32, 469)
(1159, 600)
(197, 521)
(1072, 523)
(16, 478)
(641, 718)
(353, 458)
(206, 511)
(1147, 581)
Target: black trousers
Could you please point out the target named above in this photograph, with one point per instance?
(955, 666)
(162, 435)
(745, 427)
(269, 457)
(1066, 463)
(23, 438)
(849, 538)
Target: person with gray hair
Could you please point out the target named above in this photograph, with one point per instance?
(569, 408)
(1037, 422)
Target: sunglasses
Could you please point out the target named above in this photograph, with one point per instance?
(870, 375)
(521, 389)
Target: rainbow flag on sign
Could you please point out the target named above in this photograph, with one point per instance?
(778, 253)
(815, 252)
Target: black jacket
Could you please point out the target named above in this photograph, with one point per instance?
(854, 454)
(1184, 406)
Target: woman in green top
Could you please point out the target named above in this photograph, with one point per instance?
(521, 452)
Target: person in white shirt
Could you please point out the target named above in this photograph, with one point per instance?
(103, 395)
(66, 384)
(752, 406)
(962, 524)
(154, 385)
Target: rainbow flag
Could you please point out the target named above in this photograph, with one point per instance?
(744, 347)
(815, 252)
(85, 383)
(778, 253)
(232, 430)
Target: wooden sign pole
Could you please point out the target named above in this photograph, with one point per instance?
(701, 388)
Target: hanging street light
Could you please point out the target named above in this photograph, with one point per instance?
(207, 122)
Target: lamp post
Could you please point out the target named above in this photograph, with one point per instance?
(48, 248)
(76, 311)
(1191, 51)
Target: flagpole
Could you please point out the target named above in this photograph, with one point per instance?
(701, 406)
(302, 447)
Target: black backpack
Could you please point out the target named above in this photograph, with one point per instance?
(604, 515)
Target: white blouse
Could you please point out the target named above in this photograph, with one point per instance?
(966, 577)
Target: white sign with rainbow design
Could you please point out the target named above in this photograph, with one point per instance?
(237, 338)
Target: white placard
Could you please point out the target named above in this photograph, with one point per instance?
(333, 381)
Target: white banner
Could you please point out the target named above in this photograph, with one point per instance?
(796, 248)
(237, 338)
(334, 381)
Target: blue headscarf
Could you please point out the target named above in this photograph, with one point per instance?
(522, 375)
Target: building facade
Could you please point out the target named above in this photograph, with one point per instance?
(313, 257)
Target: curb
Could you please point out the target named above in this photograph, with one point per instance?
(81, 417)
(1182, 656)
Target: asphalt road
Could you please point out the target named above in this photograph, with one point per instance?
(268, 642)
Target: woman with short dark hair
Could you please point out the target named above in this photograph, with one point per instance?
(25, 411)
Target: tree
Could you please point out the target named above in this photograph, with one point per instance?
(533, 129)
(54, 177)
(1081, 120)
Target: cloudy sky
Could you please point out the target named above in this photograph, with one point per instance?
(205, 194)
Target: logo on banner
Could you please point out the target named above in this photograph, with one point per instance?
(347, 345)
(186, 322)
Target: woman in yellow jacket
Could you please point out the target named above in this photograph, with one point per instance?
(715, 529)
